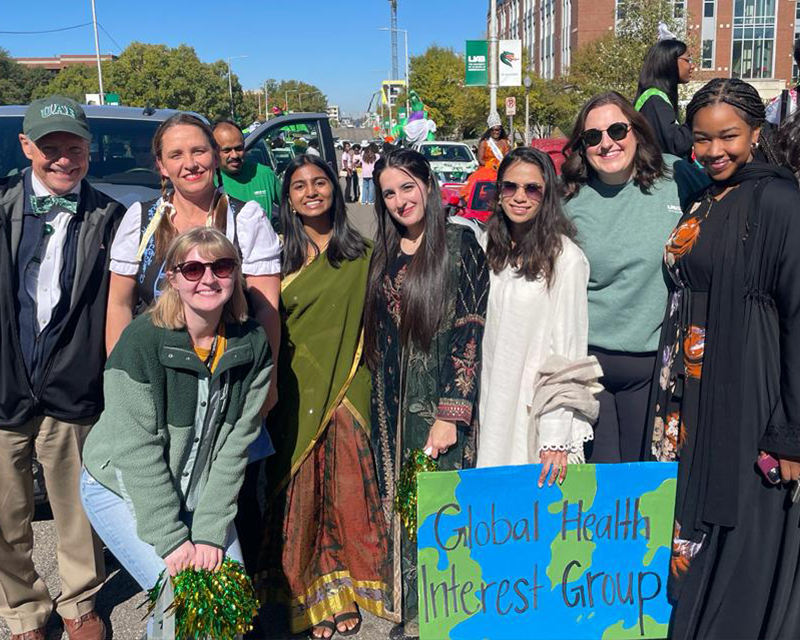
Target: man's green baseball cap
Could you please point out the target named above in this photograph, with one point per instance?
(55, 113)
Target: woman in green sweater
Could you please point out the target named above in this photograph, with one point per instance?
(183, 391)
(625, 198)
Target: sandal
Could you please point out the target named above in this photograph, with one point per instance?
(324, 624)
(344, 617)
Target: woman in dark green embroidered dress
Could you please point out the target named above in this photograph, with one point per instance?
(424, 316)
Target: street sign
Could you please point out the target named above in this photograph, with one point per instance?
(477, 64)
(511, 106)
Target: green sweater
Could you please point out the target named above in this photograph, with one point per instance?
(623, 231)
(254, 182)
(140, 446)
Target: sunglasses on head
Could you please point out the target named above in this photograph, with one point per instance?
(533, 191)
(617, 131)
(194, 270)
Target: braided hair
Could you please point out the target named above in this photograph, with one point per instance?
(745, 100)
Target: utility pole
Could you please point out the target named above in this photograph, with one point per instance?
(493, 57)
(393, 27)
(266, 102)
(97, 55)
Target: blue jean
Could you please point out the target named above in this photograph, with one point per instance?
(115, 523)
(368, 192)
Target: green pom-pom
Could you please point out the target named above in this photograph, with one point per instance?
(405, 502)
(210, 604)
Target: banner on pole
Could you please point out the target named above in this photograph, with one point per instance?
(510, 63)
(477, 63)
(501, 559)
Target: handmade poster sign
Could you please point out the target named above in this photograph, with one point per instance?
(502, 559)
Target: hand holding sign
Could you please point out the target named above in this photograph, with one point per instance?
(555, 461)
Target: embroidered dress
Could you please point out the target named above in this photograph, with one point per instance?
(412, 389)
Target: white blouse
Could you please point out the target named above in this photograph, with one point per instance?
(526, 324)
(258, 242)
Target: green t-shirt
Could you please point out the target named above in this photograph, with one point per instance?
(254, 182)
(623, 231)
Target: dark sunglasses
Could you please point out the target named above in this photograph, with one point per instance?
(194, 270)
(533, 191)
(617, 131)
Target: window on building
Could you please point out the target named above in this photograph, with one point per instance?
(678, 8)
(708, 8)
(753, 38)
(707, 59)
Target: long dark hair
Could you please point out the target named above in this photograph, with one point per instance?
(648, 163)
(787, 144)
(660, 69)
(534, 257)
(425, 294)
(744, 98)
(346, 243)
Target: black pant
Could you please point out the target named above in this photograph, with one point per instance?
(248, 517)
(352, 187)
(620, 430)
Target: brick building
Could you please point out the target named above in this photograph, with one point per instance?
(58, 63)
(750, 39)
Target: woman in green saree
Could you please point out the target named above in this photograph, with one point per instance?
(325, 542)
(424, 316)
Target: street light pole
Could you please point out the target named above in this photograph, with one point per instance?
(230, 82)
(266, 102)
(493, 56)
(527, 82)
(97, 55)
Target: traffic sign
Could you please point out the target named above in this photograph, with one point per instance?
(511, 106)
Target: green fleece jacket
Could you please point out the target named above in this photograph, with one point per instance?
(141, 447)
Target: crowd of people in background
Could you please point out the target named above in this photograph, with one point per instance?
(197, 387)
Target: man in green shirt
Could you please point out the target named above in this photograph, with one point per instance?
(241, 179)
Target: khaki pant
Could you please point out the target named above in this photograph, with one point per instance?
(25, 602)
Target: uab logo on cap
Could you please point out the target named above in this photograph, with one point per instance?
(56, 109)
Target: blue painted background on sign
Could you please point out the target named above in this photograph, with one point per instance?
(503, 558)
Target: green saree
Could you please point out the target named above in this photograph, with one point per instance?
(325, 541)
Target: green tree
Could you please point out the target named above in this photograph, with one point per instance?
(18, 82)
(438, 78)
(296, 95)
(614, 61)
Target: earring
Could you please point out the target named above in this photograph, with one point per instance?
(754, 145)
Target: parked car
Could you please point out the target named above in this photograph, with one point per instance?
(120, 161)
(552, 147)
(450, 161)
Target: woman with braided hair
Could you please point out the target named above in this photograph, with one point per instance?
(727, 390)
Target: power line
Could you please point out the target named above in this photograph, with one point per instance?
(110, 37)
(29, 33)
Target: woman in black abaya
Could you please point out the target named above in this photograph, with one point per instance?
(728, 381)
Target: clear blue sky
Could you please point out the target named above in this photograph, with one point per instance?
(334, 45)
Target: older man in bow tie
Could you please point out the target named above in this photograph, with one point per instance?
(55, 233)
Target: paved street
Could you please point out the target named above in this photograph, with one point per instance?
(121, 596)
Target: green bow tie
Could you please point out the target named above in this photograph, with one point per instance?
(44, 204)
